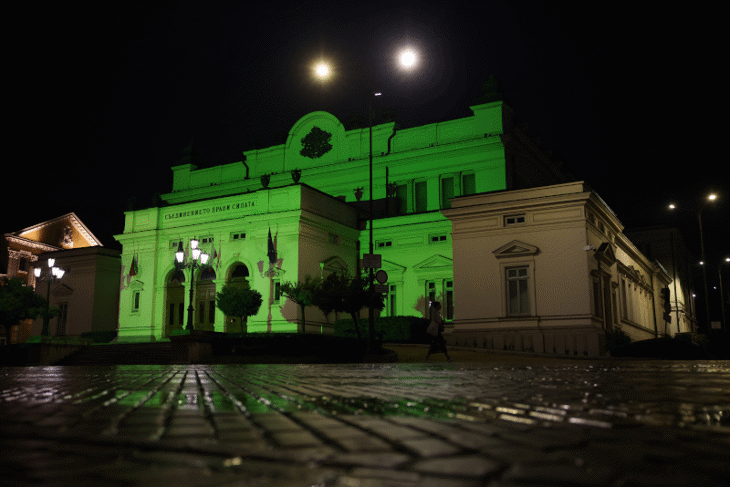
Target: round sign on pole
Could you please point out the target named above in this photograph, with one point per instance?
(381, 276)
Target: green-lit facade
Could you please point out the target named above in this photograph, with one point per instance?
(311, 193)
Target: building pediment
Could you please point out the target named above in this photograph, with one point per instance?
(136, 284)
(65, 232)
(62, 290)
(434, 262)
(515, 249)
(605, 254)
(334, 265)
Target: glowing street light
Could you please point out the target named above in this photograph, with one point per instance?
(322, 71)
(408, 58)
(53, 274)
(199, 260)
(698, 211)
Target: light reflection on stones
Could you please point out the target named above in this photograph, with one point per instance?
(683, 394)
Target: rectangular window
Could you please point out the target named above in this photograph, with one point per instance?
(135, 301)
(238, 236)
(420, 196)
(206, 240)
(211, 311)
(171, 318)
(430, 295)
(401, 192)
(180, 310)
(390, 308)
(514, 220)
(437, 238)
(518, 298)
(201, 312)
(447, 191)
(468, 184)
(449, 305)
(383, 244)
(277, 291)
(333, 238)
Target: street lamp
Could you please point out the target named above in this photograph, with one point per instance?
(198, 260)
(698, 212)
(722, 296)
(53, 274)
(407, 59)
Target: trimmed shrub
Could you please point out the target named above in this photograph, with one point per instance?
(395, 329)
(615, 339)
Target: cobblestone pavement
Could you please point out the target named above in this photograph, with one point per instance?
(618, 424)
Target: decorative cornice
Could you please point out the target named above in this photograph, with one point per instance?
(44, 247)
(70, 217)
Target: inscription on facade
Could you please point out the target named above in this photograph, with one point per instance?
(212, 209)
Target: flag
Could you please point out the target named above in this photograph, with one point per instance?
(133, 266)
(272, 250)
(217, 254)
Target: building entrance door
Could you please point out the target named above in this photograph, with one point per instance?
(174, 303)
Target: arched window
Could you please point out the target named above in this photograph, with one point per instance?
(240, 271)
(177, 277)
(208, 274)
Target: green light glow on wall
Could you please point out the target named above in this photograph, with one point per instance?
(229, 207)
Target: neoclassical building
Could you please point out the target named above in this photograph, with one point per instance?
(549, 270)
(666, 245)
(311, 195)
(87, 296)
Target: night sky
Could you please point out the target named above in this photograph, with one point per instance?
(104, 97)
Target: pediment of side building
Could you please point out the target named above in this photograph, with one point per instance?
(65, 232)
(62, 290)
(515, 248)
(335, 264)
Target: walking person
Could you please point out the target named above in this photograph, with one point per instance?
(436, 329)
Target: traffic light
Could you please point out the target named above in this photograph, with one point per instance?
(667, 304)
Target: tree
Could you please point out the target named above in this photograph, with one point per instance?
(240, 302)
(19, 301)
(345, 294)
(327, 294)
(301, 293)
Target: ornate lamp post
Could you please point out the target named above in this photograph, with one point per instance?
(198, 260)
(698, 212)
(53, 274)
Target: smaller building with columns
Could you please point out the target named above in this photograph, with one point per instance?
(548, 270)
(87, 296)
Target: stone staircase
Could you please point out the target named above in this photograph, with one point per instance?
(157, 353)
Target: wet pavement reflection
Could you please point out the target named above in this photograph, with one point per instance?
(614, 423)
(601, 395)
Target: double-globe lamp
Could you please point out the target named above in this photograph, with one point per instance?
(199, 260)
(407, 59)
(55, 274)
